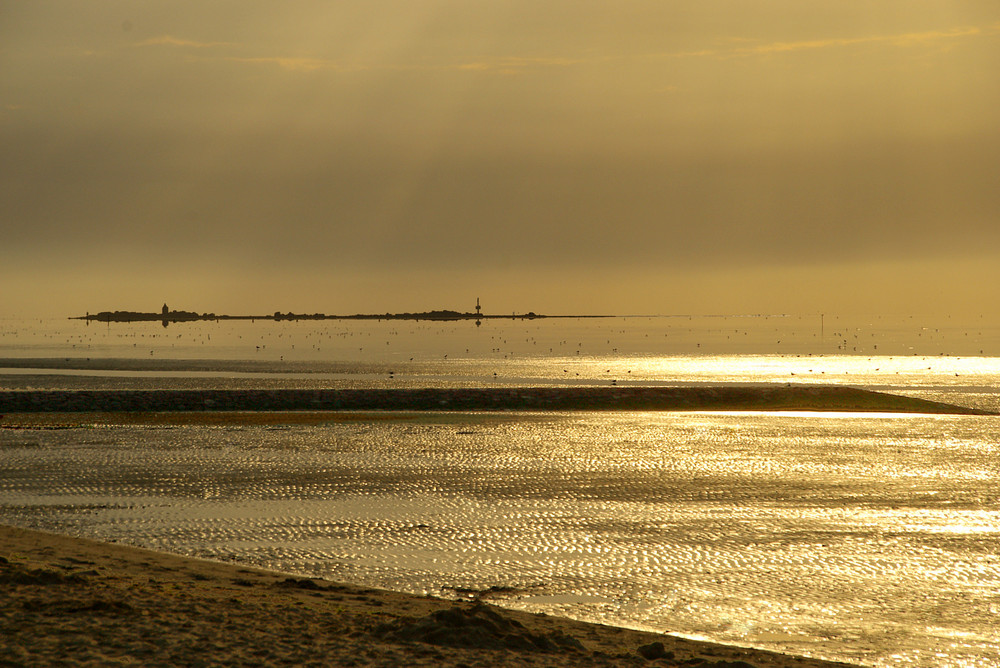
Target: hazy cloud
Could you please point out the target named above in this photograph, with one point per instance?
(513, 64)
(904, 40)
(909, 40)
(293, 64)
(393, 149)
(169, 40)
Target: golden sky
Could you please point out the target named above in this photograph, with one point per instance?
(640, 156)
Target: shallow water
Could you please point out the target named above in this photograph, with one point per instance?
(870, 538)
(844, 536)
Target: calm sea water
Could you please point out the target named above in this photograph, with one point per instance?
(868, 538)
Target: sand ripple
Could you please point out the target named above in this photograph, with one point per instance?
(873, 538)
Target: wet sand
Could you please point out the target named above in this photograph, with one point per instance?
(76, 601)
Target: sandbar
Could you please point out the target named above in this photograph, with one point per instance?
(689, 398)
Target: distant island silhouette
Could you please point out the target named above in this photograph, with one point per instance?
(167, 316)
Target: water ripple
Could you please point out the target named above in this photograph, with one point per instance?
(862, 538)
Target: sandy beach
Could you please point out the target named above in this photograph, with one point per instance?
(80, 602)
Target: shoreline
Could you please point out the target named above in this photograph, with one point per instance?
(788, 397)
(92, 603)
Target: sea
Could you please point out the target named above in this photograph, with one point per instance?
(867, 538)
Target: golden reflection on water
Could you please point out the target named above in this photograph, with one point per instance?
(841, 535)
(870, 538)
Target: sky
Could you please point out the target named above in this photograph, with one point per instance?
(566, 156)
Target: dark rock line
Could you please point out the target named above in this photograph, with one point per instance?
(707, 398)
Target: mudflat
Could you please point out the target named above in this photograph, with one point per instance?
(76, 601)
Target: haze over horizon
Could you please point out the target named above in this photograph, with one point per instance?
(641, 157)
